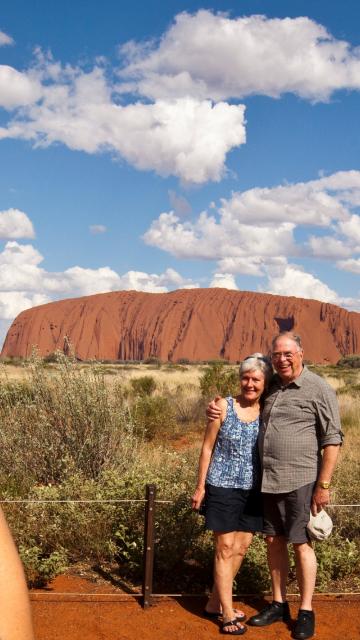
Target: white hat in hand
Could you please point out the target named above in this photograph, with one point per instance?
(320, 526)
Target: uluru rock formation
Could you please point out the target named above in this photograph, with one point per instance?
(198, 324)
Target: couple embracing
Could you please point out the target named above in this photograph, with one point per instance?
(267, 460)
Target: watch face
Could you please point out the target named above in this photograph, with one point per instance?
(325, 485)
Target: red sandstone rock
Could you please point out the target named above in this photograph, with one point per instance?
(199, 324)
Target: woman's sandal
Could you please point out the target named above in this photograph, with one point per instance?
(233, 623)
(212, 615)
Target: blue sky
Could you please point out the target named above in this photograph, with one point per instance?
(155, 146)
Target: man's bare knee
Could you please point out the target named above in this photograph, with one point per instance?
(303, 549)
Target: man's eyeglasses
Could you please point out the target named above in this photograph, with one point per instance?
(288, 355)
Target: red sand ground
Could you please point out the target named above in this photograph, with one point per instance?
(58, 615)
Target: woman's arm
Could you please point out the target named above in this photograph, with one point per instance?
(15, 618)
(212, 430)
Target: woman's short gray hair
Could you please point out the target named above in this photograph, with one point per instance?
(257, 362)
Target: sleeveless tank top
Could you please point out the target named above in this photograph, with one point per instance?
(235, 461)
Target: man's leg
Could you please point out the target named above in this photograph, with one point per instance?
(278, 560)
(279, 568)
(306, 573)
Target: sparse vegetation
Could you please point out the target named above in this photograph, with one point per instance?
(350, 362)
(72, 432)
(219, 379)
(144, 386)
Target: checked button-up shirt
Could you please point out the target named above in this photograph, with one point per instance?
(298, 420)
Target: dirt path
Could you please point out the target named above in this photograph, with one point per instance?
(106, 617)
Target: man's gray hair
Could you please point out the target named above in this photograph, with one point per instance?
(257, 362)
(287, 334)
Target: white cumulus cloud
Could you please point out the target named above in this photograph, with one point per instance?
(290, 280)
(15, 224)
(253, 228)
(185, 137)
(5, 39)
(224, 281)
(210, 238)
(352, 265)
(210, 55)
(17, 88)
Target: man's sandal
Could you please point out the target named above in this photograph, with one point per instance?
(233, 623)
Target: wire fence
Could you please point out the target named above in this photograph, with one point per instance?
(150, 503)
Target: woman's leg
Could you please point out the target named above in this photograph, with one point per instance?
(230, 549)
(242, 541)
(223, 572)
(15, 618)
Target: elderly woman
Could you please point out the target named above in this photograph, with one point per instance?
(229, 481)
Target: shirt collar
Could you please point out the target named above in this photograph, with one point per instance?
(297, 382)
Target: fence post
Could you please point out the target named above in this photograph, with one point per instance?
(148, 565)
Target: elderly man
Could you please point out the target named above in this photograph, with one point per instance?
(300, 420)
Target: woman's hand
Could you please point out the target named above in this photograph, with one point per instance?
(213, 410)
(197, 498)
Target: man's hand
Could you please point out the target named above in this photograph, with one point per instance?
(197, 498)
(213, 411)
(321, 498)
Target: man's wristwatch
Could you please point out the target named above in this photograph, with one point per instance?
(324, 484)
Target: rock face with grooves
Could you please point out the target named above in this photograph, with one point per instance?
(199, 324)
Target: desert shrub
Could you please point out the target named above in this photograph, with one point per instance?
(51, 358)
(63, 424)
(349, 389)
(143, 386)
(153, 360)
(336, 559)
(352, 362)
(15, 361)
(219, 380)
(183, 361)
(13, 393)
(153, 417)
(40, 569)
(187, 404)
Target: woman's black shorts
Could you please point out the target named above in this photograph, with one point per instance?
(232, 509)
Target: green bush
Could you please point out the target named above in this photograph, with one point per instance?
(153, 417)
(40, 569)
(143, 386)
(219, 380)
(336, 559)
